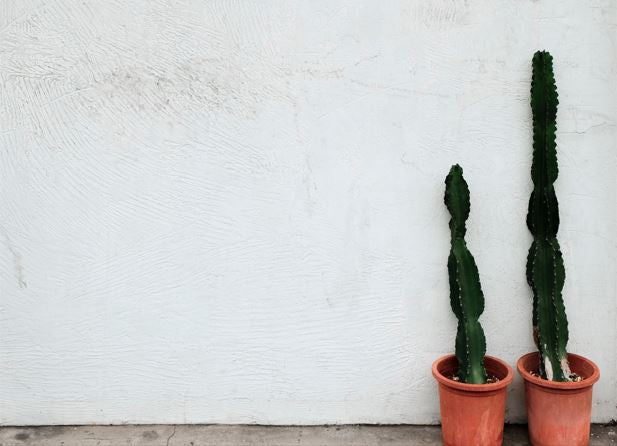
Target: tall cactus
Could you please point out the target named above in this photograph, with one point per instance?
(545, 269)
(466, 296)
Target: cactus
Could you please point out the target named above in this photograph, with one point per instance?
(466, 296)
(545, 269)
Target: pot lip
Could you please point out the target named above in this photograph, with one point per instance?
(587, 382)
(501, 384)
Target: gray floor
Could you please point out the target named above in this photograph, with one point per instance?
(220, 435)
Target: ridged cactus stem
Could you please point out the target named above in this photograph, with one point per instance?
(466, 296)
(545, 269)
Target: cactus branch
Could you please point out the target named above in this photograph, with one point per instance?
(545, 269)
(466, 296)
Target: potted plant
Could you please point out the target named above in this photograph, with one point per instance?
(558, 385)
(472, 386)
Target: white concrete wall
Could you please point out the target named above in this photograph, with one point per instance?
(231, 212)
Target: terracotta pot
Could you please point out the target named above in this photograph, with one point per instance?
(559, 413)
(472, 414)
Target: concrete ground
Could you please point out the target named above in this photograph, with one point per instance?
(238, 435)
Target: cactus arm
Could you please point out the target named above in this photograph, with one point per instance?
(466, 298)
(471, 354)
(545, 269)
(548, 272)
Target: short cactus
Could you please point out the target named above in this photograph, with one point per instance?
(545, 269)
(466, 296)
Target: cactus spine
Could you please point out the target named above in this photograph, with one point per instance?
(545, 269)
(466, 296)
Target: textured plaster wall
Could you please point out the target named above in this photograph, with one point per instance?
(231, 212)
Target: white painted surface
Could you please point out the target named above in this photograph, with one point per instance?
(231, 212)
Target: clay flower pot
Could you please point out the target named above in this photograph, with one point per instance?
(472, 414)
(559, 413)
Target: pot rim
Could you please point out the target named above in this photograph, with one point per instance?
(558, 385)
(501, 384)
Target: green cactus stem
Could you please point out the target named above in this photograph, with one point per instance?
(466, 296)
(545, 269)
